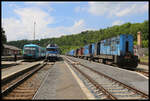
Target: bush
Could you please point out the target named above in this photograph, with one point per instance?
(145, 43)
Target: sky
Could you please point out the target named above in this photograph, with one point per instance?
(55, 19)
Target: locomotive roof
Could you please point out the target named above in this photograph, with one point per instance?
(113, 37)
(32, 45)
(52, 46)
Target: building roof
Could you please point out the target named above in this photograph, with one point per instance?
(11, 47)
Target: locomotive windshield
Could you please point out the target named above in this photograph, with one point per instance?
(29, 50)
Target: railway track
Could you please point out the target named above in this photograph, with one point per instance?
(107, 87)
(145, 73)
(24, 86)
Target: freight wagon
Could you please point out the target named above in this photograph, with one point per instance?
(116, 50)
(71, 53)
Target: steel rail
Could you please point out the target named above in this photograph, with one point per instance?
(96, 84)
(120, 83)
(143, 72)
(19, 80)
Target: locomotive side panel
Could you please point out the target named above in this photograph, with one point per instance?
(110, 46)
(126, 44)
(86, 50)
(32, 51)
(71, 53)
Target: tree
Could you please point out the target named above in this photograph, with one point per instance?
(3, 40)
(68, 42)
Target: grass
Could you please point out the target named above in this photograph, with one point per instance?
(144, 59)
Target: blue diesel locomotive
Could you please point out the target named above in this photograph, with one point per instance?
(33, 51)
(71, 53)
(52, 52)
(117, 50)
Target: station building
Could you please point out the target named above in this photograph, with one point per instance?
(11, 50)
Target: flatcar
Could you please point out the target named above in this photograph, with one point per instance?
(116, 50)
(33, 51)
(52, 52)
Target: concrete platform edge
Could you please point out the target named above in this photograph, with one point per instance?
(82, 86)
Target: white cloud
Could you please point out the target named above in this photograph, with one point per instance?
(43, 5)
(38, 3)
(132, 9)
(118, 22)
(98, 8)
(29, 15)
(79, 23)
(77, 27)
(23, 28)
(117, 8)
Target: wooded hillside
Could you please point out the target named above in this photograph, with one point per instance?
(74, 41)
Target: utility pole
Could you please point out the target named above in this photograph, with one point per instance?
(139, 39)
(34, 30)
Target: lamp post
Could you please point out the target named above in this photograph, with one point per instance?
(34, 30)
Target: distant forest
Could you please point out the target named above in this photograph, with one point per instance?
(74, 41)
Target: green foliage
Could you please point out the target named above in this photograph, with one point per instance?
(3, 39)
(74, 41)
(135, 42)
(145, 43)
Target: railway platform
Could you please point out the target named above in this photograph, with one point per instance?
(144, 67)
(10, 63)
(14, 69)
(60, 84)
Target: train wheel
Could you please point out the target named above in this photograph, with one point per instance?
(94, 60)
(103, 61)
(120, 65)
